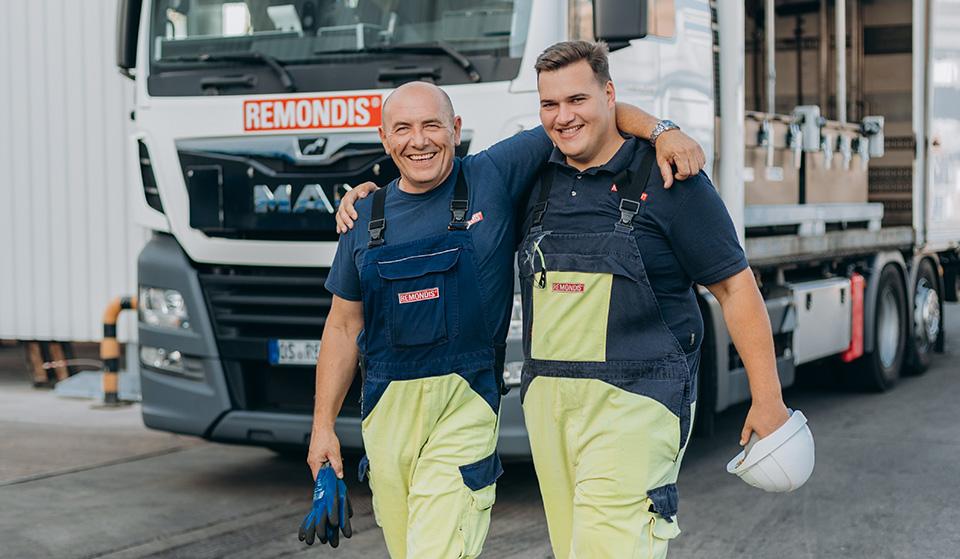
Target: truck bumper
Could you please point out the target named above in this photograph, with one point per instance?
(277, 429)
(281, 429)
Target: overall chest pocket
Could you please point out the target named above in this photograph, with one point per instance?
(570, 317)
(420, 298)
(571, 279)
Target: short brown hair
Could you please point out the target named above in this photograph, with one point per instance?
(566, 53)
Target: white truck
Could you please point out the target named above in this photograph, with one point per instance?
(254, 117)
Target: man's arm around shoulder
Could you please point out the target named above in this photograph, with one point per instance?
(674, 148)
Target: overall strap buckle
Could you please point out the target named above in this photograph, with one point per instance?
(628, 210)
(631, 190)
(376, 228)
(540, 208)
(459, 210)
(460, 204)
(538, 211)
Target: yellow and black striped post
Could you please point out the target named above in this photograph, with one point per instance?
(110, 348)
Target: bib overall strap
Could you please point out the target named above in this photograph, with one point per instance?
(377, 224)
(460, 204)
(546, 183)
(632, 194)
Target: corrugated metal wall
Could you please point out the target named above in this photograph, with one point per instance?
(67, 245)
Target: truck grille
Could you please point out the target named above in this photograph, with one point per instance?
(250, 305)
(266, 188)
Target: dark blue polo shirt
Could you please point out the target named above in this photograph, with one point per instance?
(498, 179)
(684, 233)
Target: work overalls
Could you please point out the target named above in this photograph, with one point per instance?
(607, 391)
(431, 395)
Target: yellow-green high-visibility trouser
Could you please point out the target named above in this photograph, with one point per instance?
(431, 443)
(598, 450)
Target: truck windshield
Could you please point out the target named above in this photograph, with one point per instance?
(447, 41)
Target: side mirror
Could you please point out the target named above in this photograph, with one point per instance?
(617, 22)
(128, 25)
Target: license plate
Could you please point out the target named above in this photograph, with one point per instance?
(294, 352)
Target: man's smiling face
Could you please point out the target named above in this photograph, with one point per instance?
(577, 113)
(420, 132)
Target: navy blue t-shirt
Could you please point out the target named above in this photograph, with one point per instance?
(498, 179)
(684, 233)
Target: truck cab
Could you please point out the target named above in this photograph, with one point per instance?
(253, 119)
(825, 126)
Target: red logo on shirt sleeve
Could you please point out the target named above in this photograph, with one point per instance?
(476, 217)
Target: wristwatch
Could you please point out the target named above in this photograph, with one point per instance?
(660, 128)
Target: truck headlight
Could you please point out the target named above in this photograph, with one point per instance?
(171, 361)
(162, 359)
(163, 308)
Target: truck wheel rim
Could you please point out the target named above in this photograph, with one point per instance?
(888, 337)
(927, 314)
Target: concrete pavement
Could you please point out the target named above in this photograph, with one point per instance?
(79, 482)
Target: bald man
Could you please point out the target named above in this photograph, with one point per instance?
(422, 296)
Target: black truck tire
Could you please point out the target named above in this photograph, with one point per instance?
(880, 369)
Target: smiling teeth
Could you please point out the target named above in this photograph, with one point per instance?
(570, 130)
(423, 157)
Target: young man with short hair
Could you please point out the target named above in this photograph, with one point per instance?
(612, 329)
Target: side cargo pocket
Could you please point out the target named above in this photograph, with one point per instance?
(662, 504)
(480, 492)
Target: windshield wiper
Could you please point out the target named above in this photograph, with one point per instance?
(434, 47)
(285, 78)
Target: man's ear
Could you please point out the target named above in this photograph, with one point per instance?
(383, 139)
(611, 94)
(457, 124)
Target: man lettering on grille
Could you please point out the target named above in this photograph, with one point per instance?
(422, 293)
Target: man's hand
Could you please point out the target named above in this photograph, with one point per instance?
(676, 149)
(324, 447)
(346, 215)
(764, 418)
(331, 511)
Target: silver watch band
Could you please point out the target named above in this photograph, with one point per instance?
(660, 128)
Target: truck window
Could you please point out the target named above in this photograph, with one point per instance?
(189, 34)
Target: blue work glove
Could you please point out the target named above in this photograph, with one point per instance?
(331, 510)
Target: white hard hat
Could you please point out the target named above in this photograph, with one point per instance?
(781, 461)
